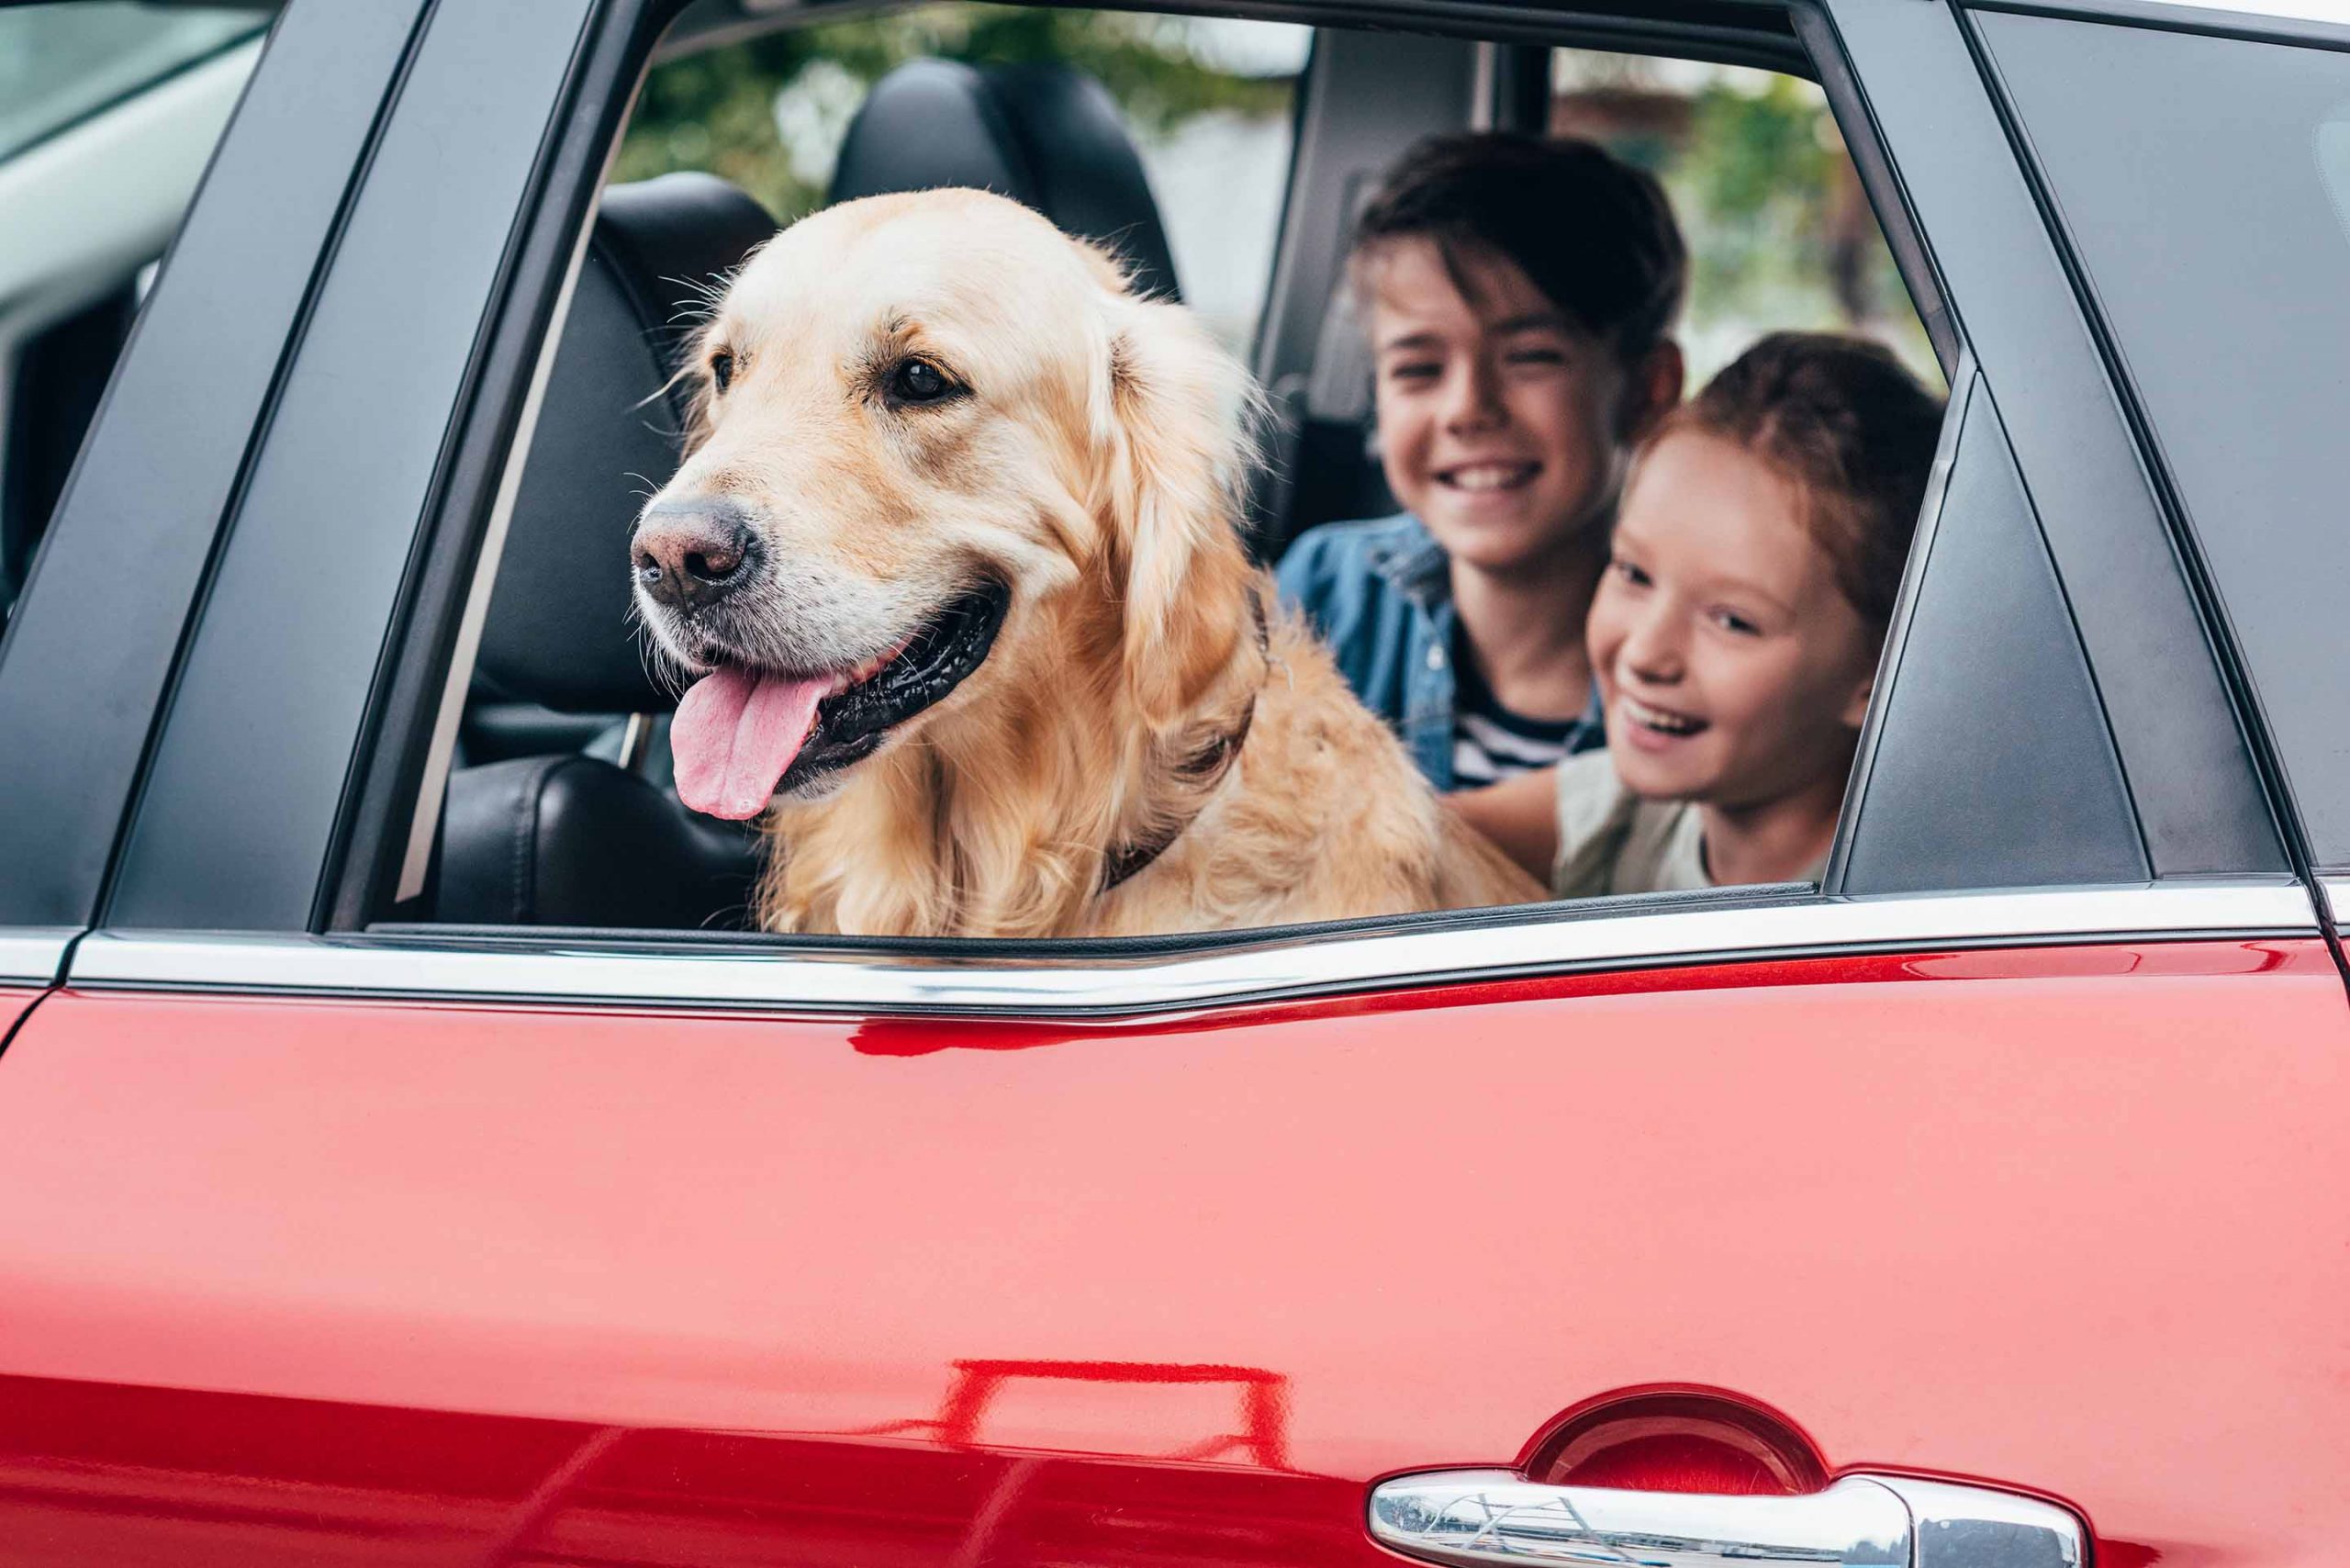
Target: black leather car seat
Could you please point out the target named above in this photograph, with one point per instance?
(570, 839)
(1040, 133)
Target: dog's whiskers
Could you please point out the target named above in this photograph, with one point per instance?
(704, 294)
(661, 667)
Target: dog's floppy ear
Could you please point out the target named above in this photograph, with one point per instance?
(1173, 415)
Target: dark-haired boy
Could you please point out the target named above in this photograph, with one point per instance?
(1519, 295)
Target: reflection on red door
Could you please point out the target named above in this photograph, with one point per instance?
(327, 1282)
(961, 1420)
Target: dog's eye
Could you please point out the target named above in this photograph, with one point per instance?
(918, 381)
(721, 369)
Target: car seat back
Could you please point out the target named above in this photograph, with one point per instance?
(571, 839)
(1041, 133)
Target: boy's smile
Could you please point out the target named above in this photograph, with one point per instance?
(1484, 477)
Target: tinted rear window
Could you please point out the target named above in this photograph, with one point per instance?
(2205, 182)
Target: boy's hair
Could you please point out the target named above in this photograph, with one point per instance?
(1593, 233)
(1845, 421)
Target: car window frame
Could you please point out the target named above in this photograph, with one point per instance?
(393, 745)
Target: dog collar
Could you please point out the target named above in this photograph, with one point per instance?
(1204, 768)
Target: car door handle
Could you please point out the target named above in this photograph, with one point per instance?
(1473, 1518)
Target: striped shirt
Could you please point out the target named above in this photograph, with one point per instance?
(1490, 743)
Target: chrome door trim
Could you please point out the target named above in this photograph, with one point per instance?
(807, 975)
(2337, 898)
(33, 954)
(1491, 1519)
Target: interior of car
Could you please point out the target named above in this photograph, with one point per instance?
(560, 809)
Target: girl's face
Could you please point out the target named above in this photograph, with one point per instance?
(1502, 425)
(1733, 670)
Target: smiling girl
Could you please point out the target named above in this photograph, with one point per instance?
(1736, 630)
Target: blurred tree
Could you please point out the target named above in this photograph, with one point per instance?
(1780, 230)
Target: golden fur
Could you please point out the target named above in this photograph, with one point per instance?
(1091, 462)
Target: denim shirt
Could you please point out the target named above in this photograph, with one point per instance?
(1380, 593)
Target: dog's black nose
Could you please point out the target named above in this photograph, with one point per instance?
(691, 553)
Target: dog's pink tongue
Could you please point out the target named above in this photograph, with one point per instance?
(734, 734)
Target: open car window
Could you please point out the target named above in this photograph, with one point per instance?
(1780, 230)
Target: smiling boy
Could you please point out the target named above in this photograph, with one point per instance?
(1519, 295)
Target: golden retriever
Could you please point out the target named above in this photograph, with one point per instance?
(954, 559)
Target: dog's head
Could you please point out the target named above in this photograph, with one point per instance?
(940, 449)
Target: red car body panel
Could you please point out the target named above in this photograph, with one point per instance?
(327, 1281)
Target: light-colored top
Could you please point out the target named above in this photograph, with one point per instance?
(1612, 841)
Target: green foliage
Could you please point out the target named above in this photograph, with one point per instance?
(1779, 229)
(1761, 148)
(717, 110)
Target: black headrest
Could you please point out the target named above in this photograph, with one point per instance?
(558, 630)
(1041, 134)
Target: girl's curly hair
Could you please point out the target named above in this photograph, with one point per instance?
(1847, 423)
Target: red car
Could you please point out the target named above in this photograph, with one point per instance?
(391, 1172)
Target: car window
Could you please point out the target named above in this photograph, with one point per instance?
(107, 114)
(1780, 231)
(2205, 182)
(794, 120)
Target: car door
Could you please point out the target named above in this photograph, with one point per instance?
(316, 1277)
(1989, 1164)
